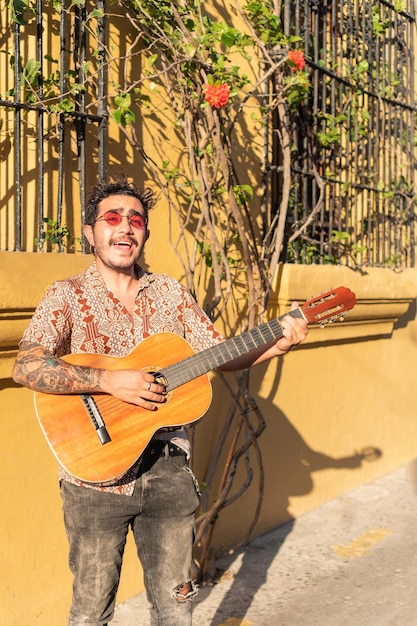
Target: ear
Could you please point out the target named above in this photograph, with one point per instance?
(148, 232)
(89, 235)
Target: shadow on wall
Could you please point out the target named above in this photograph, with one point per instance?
(288, 464)
(297, 468)
(291, 466)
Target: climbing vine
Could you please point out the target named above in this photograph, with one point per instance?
(215, 77)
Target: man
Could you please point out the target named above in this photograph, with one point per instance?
(109, 309)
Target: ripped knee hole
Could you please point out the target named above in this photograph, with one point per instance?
(185, 591)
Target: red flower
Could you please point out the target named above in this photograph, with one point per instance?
(217, 95)
(297, 58)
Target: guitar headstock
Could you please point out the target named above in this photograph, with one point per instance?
(329, 306)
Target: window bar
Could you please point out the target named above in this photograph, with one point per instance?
(61, 124)
(102, 91)
(40, 120)
(375, 129)
(17, 139)
(396, 227)
(411, 113)
(80, 124)
(315, 34)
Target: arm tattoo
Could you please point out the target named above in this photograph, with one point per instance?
(42, 371)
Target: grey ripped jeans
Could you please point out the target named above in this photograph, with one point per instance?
(161, 515)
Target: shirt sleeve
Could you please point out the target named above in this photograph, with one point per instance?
(200, 331)
(51, 323)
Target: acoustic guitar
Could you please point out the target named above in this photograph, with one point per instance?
(99, 437)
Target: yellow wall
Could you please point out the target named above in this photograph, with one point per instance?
(338, 414)
(337, 408)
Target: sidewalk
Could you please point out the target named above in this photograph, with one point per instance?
(349, 562)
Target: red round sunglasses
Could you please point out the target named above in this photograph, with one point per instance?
(114, 218)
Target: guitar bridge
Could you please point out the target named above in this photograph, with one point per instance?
(95, 416)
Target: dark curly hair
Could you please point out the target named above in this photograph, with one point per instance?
(120, 186)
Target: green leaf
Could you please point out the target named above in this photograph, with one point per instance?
(228, 39)
(18, 10)
(95, 13)
(117, 116)
(152, 60)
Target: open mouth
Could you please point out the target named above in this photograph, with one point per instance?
(123, 244)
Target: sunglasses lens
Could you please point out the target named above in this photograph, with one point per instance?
(137, 221)
(113, 218)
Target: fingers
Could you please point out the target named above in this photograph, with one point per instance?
(293, 326)
(135, 387)
(294, 329)
(152, 390)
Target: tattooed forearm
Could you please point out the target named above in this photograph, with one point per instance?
(41, 371)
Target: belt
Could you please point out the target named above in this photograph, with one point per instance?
(162, 448)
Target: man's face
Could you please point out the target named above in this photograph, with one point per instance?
(119, 232)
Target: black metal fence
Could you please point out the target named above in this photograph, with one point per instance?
(50, 74)
(353, 197)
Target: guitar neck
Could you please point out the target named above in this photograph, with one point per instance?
(207, 360)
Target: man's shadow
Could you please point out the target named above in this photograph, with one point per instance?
(290, 474)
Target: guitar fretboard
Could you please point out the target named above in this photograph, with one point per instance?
(207, 360)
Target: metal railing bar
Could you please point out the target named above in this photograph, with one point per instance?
(40, 120)
(42, 108)
(373, 94)
(61, 124)
(102, 92)
(401, 12)
(17, 141)
(80, 47)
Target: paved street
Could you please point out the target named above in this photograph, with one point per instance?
(352, 561)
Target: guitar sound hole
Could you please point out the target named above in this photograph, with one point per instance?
(160, 379)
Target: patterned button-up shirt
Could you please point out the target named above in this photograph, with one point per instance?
(80, 314)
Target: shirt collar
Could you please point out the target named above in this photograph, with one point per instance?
(145, 278)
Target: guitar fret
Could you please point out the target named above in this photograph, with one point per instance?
(262, 334)
(227, 354)
(274, 327)
(244, 343)
(207, 360)
(210, 358)
(191, 367)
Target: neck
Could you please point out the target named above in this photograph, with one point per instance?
(118, 279)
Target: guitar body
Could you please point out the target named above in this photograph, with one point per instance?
(70, 431)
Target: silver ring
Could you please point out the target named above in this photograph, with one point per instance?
(149, 386)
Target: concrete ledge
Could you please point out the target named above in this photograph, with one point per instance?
(383, 297)
(24, 277)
